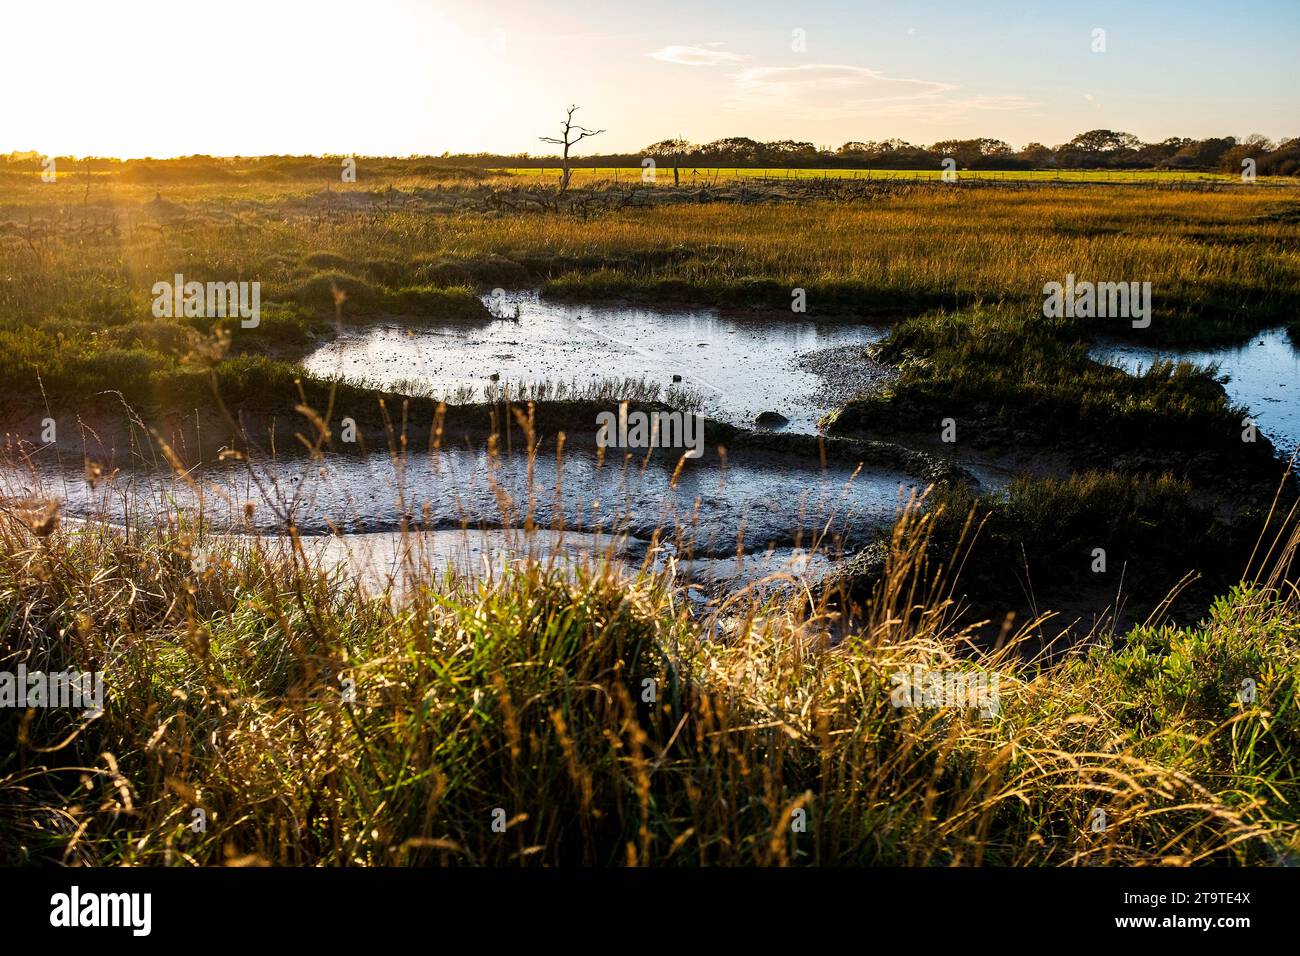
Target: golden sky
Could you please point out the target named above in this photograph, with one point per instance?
(396, 77)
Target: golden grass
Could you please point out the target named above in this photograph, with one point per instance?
(523, 701)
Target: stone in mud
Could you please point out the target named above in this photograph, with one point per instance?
(771, 420)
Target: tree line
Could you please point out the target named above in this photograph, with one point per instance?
(1095, 149)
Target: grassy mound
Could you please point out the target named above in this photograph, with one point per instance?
(1011, 379)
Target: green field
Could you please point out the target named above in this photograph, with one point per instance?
(693, 175)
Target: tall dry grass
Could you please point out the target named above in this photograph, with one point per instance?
(588, 710)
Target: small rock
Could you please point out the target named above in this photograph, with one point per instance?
(677, 378)
(771, 420)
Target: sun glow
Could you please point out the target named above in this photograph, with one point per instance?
(159, 78)
(402, 77)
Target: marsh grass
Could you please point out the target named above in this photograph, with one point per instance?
(560, 399)
(1015, 379)
(1040, 539)
(524, 691)
(1221, 263)
(640, 390)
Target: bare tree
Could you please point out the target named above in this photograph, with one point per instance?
(569, 140)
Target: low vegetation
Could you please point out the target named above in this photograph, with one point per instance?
(590, 715)
(74, 303)
(1010, 379)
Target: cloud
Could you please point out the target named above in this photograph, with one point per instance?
(707, 55)
(764, 86)
(838, 91)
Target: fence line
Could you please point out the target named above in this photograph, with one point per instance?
(768, 173)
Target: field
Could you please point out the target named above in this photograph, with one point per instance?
(608, 720)
(692, 175)
(905, 248)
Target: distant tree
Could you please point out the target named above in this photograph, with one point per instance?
(994, 147)
(1204, 153)
(1254, 147)
(891, 146)
(900, 154)
(1099, 147)
(964, 151)
(1260, 142)
(1036, 156)
(569, 140)
(671, 150)
(1161, 153)
(1105, 141)
(854, 148)
(734, 150)
(785, 152)
(1284, 160)
(970, 153)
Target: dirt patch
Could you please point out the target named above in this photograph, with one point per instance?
(846, 371)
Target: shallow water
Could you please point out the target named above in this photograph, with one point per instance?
(392, 558)
(772, 509)
(1263, 375)
(391, 561)
(739, 366)
(775, 499)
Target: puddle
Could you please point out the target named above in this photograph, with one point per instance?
(469, 506)
(739, 366)
(757, 501)
(391, 559)
(1263, 375)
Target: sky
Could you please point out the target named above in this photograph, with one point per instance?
(401, 77)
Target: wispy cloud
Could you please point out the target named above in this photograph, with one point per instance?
(707, 55)
(852, 86)
(836, 91)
